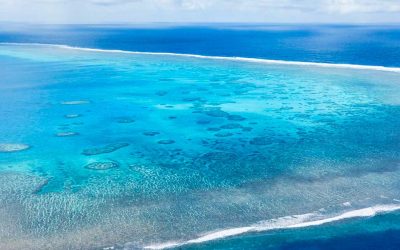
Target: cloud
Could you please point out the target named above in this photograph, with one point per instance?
(102, 11)
(362, 6)
(331, 6)
(322, 6)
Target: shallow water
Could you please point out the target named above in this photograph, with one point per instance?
(136, 150)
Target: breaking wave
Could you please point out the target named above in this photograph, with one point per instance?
(288, 222)
(242, 59)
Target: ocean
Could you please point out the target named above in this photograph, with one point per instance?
(223, 136)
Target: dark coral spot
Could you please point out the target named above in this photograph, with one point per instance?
(192, 99)
(165, 142)
(161, 93)
(151, 133)
(236, 118)
(231, 126)
(216, 113)
(223, 134)
(125, 120)
(104, 150)
(203, 121)
(261, 141)
(102, 165)
(247, 129)
(214, 129)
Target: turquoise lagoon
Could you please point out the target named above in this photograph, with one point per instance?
(132, 150)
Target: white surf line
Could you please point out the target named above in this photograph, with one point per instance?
(289, 222)
(226, 58)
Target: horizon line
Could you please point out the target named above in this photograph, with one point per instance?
(208, 23)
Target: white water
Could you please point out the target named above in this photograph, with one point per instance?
(288, 222)
(243, 59)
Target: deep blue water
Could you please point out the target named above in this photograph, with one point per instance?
(369, 234)
(102, 149)
(366, 45)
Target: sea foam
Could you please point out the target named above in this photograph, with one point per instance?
(287, 222)
(242, 59)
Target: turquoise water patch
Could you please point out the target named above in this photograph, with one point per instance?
(143, 149)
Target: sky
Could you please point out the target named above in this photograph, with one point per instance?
(199, 11)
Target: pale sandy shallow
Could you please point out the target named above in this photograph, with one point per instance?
(12, 147)
(145, 224)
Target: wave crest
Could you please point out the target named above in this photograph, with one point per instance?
(226, 58)
(287, 222)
